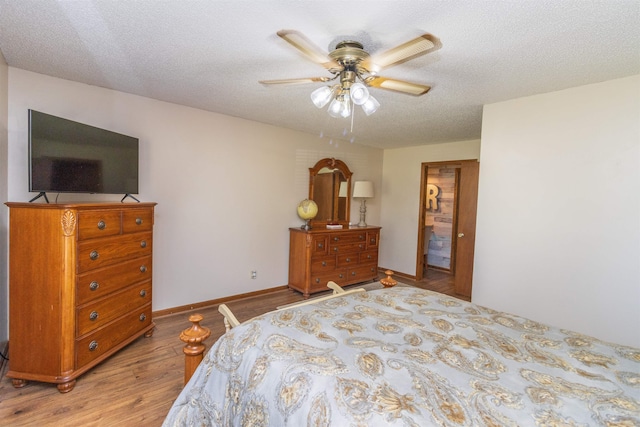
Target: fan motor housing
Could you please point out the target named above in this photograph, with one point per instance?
(348, 52)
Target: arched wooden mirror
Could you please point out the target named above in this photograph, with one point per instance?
(330, 188)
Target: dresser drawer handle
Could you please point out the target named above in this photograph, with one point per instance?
(94, 285)
(94, 255)
(361, 246)
(143, 268)
(372, 241)
(360, 236)
(143, 317)
(93, 316)
(102, 225)
(143, 293)
(139, 221)
(353, 273)
(324, 263)
(317, 280)
(369, 256)
(348, 260)
(341, 276)
(320, 245)
(335, 249)
(336, 239)
(93, 345)
(143, 244)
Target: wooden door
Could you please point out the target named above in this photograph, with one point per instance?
(466, 226)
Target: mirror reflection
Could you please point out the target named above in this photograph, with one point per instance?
(330, 188)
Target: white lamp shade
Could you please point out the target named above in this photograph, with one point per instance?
(359, 93)
(370, 106)
(321, 96)
(363, 189)
(342, 192)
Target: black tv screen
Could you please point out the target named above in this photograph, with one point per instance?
(71, 157)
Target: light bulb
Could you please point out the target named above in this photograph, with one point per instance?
(321, 96)
(345, 110)
(359, 93)
(334, 108)
(370, 106)
(340, 107)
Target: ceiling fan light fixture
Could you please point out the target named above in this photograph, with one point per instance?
(321, 96)
(370, 106)
(340, 107)
(346, 108)
(359, 93)
(357, 71)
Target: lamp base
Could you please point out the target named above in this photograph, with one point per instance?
(306, 225)
(363, 213)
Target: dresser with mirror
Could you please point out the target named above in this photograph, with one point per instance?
(331, 249)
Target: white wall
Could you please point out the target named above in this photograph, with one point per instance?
(4, 305)
(227, 188)
(558, 231)
(401, 172)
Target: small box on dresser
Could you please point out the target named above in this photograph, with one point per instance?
(345, 256)
(80, 286)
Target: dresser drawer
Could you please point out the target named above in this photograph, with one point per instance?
(360, 274)
(319, 246)
(348, 259)
(348, 237)
(319, 282)
(98, 313)
(373, 239)
(101, 282)
(347, 247)
(111, 250)
(320, 266)
(369, 257)
(92, 224)
(102, 340)
(135, 220)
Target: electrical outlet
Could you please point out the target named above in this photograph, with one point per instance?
(254, 274)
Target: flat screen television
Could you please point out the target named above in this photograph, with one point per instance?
(71, 157)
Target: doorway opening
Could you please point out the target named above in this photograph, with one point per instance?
(446, 226)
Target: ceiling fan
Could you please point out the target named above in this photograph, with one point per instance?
(356, 70)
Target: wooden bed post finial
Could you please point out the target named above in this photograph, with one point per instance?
(388, 282)
(194, 348)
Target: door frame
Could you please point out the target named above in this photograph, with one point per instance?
(421, 213)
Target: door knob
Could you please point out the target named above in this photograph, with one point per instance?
(460, 234)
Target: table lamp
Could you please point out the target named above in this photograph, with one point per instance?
(363, 190)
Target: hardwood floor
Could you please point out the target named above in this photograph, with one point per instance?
(137, 386)
(435, 280)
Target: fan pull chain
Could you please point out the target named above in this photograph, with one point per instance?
(353, 114)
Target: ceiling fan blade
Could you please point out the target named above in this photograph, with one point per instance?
(311, 51)
(413, 48)
(414, 89)
(295, 81)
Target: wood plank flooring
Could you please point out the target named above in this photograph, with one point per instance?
(137, 386)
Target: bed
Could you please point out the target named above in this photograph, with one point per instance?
(408, 357)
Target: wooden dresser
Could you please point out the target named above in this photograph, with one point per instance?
(79, 286)
(346, 256)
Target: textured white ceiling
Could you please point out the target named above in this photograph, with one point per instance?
(210, 54)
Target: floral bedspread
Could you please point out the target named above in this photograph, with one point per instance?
(408, 357)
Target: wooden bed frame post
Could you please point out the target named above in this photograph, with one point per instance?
(194, 348)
